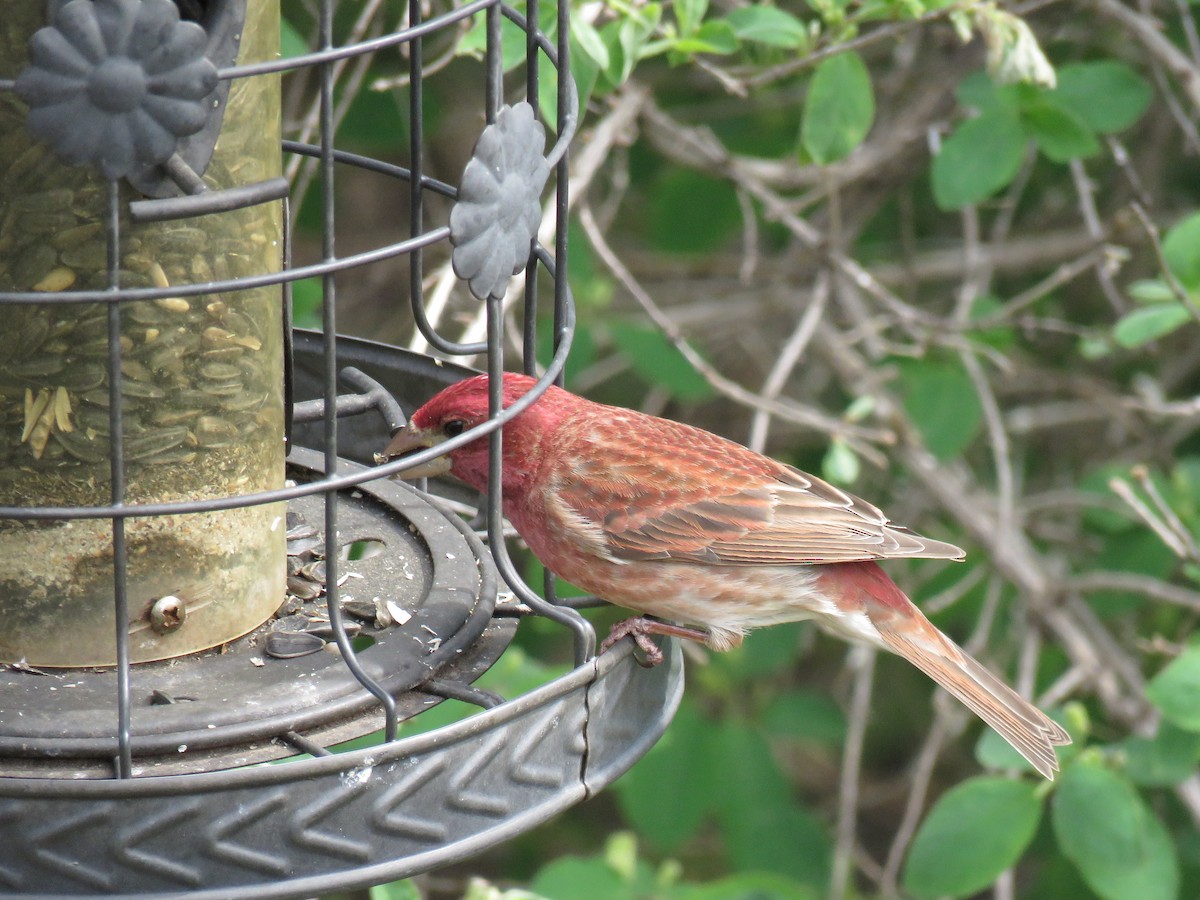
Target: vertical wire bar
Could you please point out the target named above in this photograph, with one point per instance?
(532, 94)
(581, 629)
(494, 64)
(328, 297)
(416, 129)
(561, 178)
(289, 348)
(329, 325)
(532, 24)
(562, 174)
(124, 759)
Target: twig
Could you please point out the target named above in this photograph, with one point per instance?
(1064, 686)
(1149, 33)
(1001, 450)
(1064, 274)
(1145, 585)
(922, 775)
(750, 254)
(863, 663)
(1085, 191)
(1142, 476)
(1166, 533)
(883, 33)
(788, 357)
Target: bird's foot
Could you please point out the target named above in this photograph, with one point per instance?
(640, 628)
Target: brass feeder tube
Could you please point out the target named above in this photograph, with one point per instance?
(201, 385)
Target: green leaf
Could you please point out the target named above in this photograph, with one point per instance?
(1149, 323)
(1093, 347)
(512, 42)
(748, 886)
(625, 37)
(396, 890)
(1100, 514)
(689, 14)
(1185, 488)
(583, 347)
(1176, 690)
(658, 796)
(941, 401)
(995, 753)
(763, 651)
(765, 829)
(291, 41)
(768, 25)
(1060, 134)
(806, 715)
(839, 109)
(1107, 96)
(978, 159)
(548, 91)
(1105, 828)
(715, 36)
(614, 74)
(999, 336)
(584, 70)
(1151, 290)
(841, 464)
(1164, 760)
(307, 299)
(1181, 248)
(973, 833)
(573, 878)
(691, 212)
(588, 39)
(658, 361)
(1140, 553)
(977, 91)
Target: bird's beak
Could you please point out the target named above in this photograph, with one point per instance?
(409, 440)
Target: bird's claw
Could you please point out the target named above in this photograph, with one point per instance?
(640, 628)
(652, 654)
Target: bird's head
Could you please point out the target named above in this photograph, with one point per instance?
(464, 405)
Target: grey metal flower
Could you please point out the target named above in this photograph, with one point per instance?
(116, 83)
(497, 212)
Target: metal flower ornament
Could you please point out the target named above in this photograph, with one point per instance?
(497, 213)
(117, 83)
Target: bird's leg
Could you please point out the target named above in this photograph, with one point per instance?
(640, 628)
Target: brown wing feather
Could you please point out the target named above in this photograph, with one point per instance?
(658, 489)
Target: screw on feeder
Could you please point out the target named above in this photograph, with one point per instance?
(167, 614)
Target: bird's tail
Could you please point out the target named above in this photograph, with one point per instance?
(905, 631)
(1027, 728)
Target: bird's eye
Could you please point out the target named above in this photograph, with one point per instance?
(454, 427)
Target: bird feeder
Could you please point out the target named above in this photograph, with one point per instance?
(180, 601)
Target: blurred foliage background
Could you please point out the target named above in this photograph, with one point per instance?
(945, 254)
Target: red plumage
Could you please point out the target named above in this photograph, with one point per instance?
(675, 522)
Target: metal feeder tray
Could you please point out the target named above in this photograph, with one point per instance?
(201, 820)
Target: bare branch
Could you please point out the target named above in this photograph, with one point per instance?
(863, 665)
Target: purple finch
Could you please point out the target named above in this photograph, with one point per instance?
(672, 521)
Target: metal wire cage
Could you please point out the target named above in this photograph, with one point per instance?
(139, 359)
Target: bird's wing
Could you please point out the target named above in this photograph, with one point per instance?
(670, 491)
